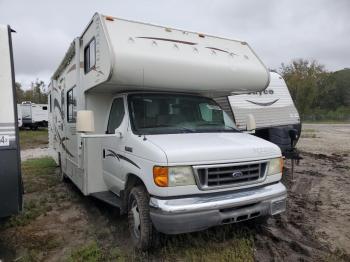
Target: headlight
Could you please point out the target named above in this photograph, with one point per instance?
(275, 166)
(173, 176)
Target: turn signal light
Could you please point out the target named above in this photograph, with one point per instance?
(160, 176)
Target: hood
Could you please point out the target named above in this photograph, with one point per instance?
(208, 148)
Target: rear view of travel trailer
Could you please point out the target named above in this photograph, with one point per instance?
(133, 122)
(277, 119)
(34, 115)
(10, 171)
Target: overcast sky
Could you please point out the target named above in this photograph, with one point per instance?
(278, 30)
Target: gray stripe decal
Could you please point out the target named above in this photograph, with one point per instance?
(7, 133)
(7, 130)
(7, 124)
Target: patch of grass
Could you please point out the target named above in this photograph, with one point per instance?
(32, 209)
(93, 252)
(29, 256)
(227, 243)
(32, 139)
(38, 174)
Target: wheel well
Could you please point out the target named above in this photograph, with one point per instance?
(131, 181)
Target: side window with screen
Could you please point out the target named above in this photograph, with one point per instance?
(71, 106)
(116, 115)
(90, 56)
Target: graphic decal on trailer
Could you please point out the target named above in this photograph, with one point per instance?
(263, 104)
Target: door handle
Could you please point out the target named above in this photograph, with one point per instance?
(104, 153)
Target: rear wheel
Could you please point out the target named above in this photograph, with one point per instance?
(140, 225)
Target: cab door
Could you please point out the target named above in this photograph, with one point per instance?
(113, 147)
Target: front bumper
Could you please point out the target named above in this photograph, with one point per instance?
(182, 215)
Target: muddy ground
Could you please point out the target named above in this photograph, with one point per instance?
(316, 226)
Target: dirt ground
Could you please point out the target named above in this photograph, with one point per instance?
(62, 225)
(316, 225)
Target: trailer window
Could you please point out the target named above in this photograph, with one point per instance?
(116, 116)
(71, 106)
(90, 56)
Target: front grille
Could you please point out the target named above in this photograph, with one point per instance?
(229, 175)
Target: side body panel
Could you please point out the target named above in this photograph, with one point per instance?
(11, 189)
(62, 126)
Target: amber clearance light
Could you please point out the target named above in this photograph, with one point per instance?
(160, 176)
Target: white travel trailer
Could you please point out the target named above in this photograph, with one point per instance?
(19, 115)
(34, 115)
(273, 109)
(10, 172)
(133, 123)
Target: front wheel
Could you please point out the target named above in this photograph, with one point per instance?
(140, 225)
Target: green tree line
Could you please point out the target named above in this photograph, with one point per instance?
(317, 93)
(37, 93)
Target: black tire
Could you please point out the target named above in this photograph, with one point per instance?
(142, 232)
(61, 175)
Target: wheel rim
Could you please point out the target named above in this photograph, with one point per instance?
(136, 219)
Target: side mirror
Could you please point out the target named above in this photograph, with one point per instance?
(85, 121)
(251, 124)
(118, 133)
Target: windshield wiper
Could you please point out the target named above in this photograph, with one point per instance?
(171, 126)
(219, 126)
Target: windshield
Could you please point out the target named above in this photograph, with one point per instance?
(177, 113)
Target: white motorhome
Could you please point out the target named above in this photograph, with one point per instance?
(34, 115)
(133, 123)
(10, 171)
(274, 112)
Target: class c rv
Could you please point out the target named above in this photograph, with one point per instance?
(34, 115)
(11, 189)
(277, 119)
(133, 122)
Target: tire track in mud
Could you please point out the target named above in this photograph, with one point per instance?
(301, 232)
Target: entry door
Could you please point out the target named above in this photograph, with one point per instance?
(113, 147)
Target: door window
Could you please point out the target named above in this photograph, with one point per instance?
(116, 115)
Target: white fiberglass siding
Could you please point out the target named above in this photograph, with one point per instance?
(271, 107)
(7, 119)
